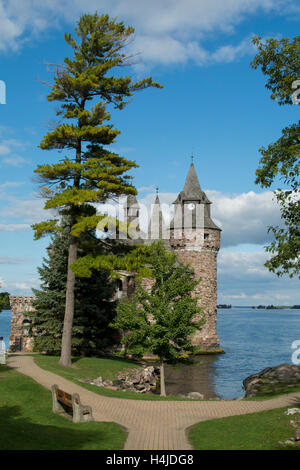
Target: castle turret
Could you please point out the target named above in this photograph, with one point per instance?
(156, 228)
(131, 215)
(196, 239)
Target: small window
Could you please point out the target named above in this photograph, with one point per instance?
(133, 212)
(206, 236)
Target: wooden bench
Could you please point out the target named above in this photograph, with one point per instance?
(63, 402)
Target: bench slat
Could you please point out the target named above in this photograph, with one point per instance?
(64, 397)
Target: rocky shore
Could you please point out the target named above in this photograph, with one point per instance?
(278, 379)
(144, 380)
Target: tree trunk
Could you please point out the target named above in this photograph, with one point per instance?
(66, 342)
(162, 380)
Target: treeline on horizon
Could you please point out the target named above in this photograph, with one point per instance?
(266, 307)
(277, 307)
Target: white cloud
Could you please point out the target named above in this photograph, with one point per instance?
(244, 218)
(29, 211)
(168, 32)
(10, 184)
(244, 280)
(14, 160)
(230, 53)
(167, 50)
(146, 189)
(24, 212)
(8, 147)
(13, 227)
(13, 260)
(248, 264)
(23, 287)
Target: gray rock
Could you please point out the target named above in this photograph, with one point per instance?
(195, 396)
(107, 383)
(297, 434)
(136, 380)
(98, 381)
(272, 380)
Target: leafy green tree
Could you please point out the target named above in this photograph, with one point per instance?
(84, 86)
(93, 309)
(163, 320)
(280, 62)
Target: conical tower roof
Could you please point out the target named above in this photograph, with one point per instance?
(156, 228)
(192, 190)
(131, 200)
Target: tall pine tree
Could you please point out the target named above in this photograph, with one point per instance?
(92, 174)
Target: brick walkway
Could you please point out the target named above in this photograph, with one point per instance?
(151, 425)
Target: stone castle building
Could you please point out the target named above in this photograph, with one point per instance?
(192, 234)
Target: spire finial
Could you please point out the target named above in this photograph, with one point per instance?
(156, 189)
(192, 157)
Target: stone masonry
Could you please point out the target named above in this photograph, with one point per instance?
(20, 323)
(203, 260)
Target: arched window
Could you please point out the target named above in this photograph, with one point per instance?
(119, 292)
(26, 324)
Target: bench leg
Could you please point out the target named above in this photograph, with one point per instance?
(77, 415)
(56, 406)
(78, 408)
(89, 416)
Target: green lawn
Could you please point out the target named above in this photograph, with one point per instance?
(27, 421)
(257, 431)
(86, 367)
(92, 367)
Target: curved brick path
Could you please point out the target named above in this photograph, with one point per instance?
(153, 425)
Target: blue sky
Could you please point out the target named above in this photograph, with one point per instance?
(213, 104)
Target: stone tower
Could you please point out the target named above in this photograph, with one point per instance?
(196, 239)
(156, 227)
(20, 324)
(132, 214)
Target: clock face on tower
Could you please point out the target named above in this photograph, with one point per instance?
(191, 206)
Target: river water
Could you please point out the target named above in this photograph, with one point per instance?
(252, 339)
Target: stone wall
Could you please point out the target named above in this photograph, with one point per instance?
(199, 249)
(20, 323)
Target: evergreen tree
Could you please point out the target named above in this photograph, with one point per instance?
(84, 87)
(4, 300)
(163, 320)
(93, 309)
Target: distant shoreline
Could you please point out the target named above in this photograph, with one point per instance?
(261, 307)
